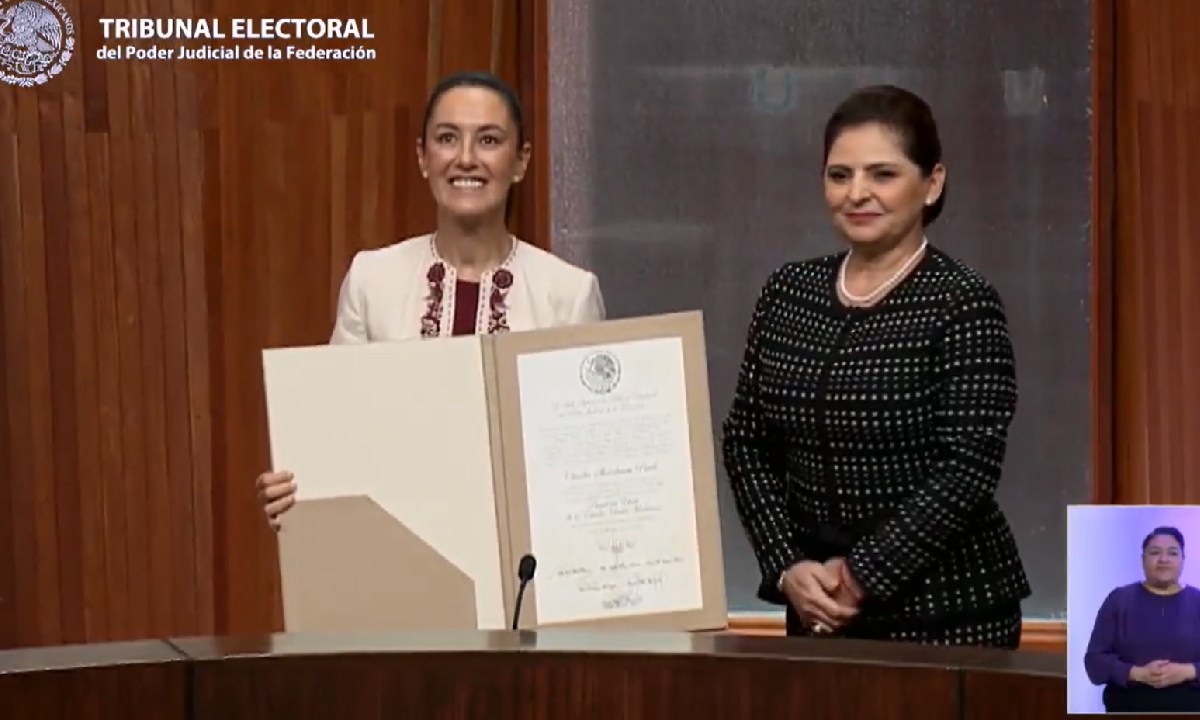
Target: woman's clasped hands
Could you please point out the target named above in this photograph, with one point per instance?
(823, 594)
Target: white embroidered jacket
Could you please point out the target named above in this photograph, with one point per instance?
(393, 292)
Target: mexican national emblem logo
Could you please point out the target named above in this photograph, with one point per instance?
(600, 372)
(37, 38)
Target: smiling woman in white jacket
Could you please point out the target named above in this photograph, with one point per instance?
(410, 290)
(470, 276)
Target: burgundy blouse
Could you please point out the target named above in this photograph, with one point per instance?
(466, 304)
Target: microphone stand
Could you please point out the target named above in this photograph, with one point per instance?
(517, 610)
(525, 571)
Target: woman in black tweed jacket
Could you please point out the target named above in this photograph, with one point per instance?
(868, 430)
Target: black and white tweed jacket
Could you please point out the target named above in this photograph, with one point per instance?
(879, 434)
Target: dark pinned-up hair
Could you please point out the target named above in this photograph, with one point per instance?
(904, 113)
(1163, 530)
(479, 80)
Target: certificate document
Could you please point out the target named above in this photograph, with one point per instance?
(609, 480)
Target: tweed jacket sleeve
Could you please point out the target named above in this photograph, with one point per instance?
(750, 457)
(977, 399)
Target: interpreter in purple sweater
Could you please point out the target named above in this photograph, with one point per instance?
(1145, 645)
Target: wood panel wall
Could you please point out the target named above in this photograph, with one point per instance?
(1156, 254)
(161, 223)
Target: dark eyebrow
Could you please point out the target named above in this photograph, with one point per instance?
(872, 166)
(482, 128)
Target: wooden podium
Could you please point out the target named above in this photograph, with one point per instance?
(521, 675)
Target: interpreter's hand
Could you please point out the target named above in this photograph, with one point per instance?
(1150, 673)
(848, 593)
(810, 588)
(1170, 673)
(277, 493)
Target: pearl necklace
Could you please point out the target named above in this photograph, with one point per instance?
(887, 285)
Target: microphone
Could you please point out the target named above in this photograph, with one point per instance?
(525, 570)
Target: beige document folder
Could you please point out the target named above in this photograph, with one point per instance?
(420, 489)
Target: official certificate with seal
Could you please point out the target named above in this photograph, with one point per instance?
(608, 475)
(611, 481)
(589, 447)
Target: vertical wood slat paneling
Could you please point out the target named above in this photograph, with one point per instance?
(128, 513)
(458, 16)
(88, 531)
(174, 507)
(195, 500)
(37, 528)
(162, 222)
(531, 33)
(149, 204)
(1156, 338)
(108, 475)
(60, 361)
(15, 430)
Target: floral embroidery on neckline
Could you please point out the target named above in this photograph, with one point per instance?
(491, 315)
